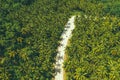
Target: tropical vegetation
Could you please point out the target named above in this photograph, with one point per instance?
(30, 31)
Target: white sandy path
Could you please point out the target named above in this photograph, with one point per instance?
(67, 33)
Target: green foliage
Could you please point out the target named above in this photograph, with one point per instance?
(94, 49)
(30, 31)
(113, 9)
(29, 37)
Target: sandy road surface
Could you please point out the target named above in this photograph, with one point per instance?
(67, 33)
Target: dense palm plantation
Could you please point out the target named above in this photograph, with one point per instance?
(94, 50)
(29, 34)
(30, 31)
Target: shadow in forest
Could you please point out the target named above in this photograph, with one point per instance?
(58, 65)
(59, 57)
(57, 70)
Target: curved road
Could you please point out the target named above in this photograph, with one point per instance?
(67, 33)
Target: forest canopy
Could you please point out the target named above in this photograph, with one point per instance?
(30, 31)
